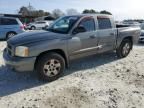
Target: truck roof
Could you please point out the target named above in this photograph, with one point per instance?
(8, 17)
(94, 15)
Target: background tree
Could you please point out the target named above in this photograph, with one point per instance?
(89, 11)
(24, 11)
(105, 12)
(30, 7)
(57, 13)
(72, 12)
(85, 11)
(31, 11)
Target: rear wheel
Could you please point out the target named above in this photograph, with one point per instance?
(33, 28)
(50, 66)
(124, 49)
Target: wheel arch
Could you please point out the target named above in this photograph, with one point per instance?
(33, 26)
(10, 32)
(58, 51)
(129, 38)
(119, 41)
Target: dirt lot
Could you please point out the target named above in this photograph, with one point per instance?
(101, 81)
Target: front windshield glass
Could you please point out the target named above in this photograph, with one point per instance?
(64, 24)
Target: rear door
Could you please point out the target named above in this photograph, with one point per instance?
(37, 24)
(106, 33)
(40, 24)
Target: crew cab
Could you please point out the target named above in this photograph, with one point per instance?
(68, 38)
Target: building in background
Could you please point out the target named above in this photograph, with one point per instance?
(28, 19)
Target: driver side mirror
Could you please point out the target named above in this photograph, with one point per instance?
(79, 29)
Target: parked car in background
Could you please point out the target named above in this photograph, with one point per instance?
(141, 38)
(142, 26)
(69, 38)
(38, 25)
(9, 27)
(45, 18)
(132, 23)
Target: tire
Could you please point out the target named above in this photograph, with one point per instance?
(50, 66)
(124, 49)
(33, 27)
(44, 28)
(10, 35)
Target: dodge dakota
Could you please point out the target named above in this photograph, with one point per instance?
(68, 38)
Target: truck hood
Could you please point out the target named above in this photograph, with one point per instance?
(34, 36)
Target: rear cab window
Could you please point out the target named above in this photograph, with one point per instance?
(104, 23)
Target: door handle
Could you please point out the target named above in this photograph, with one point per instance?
(92, 36)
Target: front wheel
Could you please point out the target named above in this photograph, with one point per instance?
(124, 49)
(50, 66)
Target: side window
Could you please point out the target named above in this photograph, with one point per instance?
(13, 22)
(88, 24)
(43, 22)
(6, 21)
(37, 22)
(40, 22)
(49, 18)
(104, 23)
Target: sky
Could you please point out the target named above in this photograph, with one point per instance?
(121, 9)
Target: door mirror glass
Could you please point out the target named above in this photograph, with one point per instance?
(79, 29)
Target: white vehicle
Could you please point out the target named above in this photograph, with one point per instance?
(132, 23)
(38, 25)
(141, 38)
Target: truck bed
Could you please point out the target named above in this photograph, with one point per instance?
(128, 31)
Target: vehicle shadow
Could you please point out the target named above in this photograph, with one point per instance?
(140, 44)
(12, 82)
(91, 62)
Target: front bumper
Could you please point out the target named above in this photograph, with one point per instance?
(19, 64)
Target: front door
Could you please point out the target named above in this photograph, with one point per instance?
(85, 43)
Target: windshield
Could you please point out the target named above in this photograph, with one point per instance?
(64, 24)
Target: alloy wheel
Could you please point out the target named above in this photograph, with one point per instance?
(52, 68)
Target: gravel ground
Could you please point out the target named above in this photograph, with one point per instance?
(101, 81)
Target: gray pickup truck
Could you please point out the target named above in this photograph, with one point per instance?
(70, 37)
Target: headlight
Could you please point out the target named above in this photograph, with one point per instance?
(22, 51)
